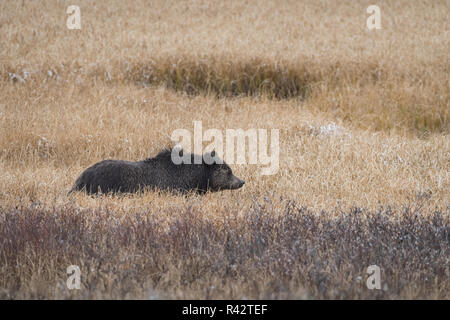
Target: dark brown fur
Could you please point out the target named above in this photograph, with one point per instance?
(158, 172)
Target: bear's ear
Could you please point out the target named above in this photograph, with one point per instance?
(179, 149)
(209, 157)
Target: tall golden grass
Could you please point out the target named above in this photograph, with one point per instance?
(363, 118)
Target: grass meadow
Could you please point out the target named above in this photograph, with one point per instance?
(364, 173)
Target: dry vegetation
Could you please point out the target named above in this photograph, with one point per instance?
(365, 155)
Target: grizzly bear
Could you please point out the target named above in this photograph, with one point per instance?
(160, 172)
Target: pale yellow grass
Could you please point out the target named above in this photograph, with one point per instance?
(364, 118)
(53, 134)
(413, 34)
(393, 79)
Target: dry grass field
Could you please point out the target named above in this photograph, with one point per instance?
(364, 176)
